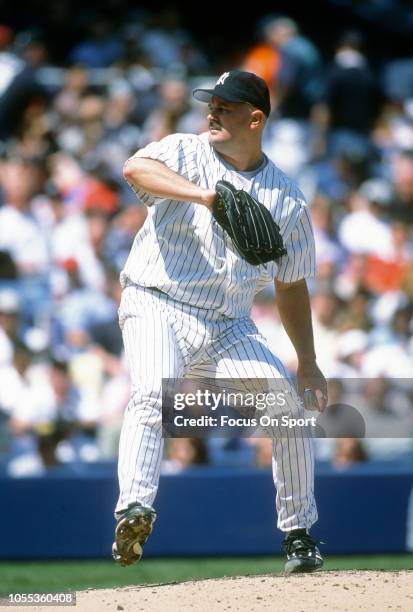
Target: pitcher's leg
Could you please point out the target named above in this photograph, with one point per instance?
(293, 457)
(293, 473)
(152, 354)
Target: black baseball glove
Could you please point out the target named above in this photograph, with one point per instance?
(249, 224)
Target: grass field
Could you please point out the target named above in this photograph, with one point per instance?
(53, 576)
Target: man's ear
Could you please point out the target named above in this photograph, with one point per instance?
(257, 119)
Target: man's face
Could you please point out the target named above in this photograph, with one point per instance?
(229, 122)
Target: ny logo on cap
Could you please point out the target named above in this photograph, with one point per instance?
(222, 78)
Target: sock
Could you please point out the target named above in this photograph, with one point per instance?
(297, 532)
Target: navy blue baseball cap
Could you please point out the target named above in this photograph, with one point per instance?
(238, 86)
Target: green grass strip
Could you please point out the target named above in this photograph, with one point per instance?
(53, 576)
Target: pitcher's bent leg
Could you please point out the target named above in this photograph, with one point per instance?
(152, 354)
(293, 455)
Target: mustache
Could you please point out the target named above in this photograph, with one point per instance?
(214, 124)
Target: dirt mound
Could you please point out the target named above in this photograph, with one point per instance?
(329, 590)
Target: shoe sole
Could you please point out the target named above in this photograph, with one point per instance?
(300, 566)
(131, 533)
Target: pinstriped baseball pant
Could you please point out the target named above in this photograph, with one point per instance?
(167, 339)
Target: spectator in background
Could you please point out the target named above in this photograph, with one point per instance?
(75, 86)
(182, 453)
(265, 316)
(81, 236)
(121, 135)
(402, 182)
(348, 451)
(83, 135)
(388, 435)
(398, 79)
(106, 333)
(264, 60)
(102, 48)
(169, 46)
(387, 272)
(286, 143)
(325, 307)
(15, 383)
(9, 324)
(19, 86)
(352, 95)
(356, 314)
(93, 126)
(6, 37)
(342, 419)
(114, 397)
(122, 231)
(300, 79)
(8, 268)
(20, 235)
(84, 308)
(391, 356)
(263, 451)
(173, 114)
(352, 277)
(58, 412)
(393, 133)
(69, 180)
(81, 257)
(17, 394)
(363, 229)
(339, 175)
(328, 252)
(290, 140)
(139, 74)
(351, 350)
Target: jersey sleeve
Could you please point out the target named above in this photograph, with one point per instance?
(178, 152)
(300, 261)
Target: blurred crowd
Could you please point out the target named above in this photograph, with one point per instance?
(341, 127)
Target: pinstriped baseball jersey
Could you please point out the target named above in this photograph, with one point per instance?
(183, 252)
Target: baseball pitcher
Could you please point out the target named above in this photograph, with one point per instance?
(223, 221)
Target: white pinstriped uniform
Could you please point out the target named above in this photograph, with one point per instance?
(185, 313)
